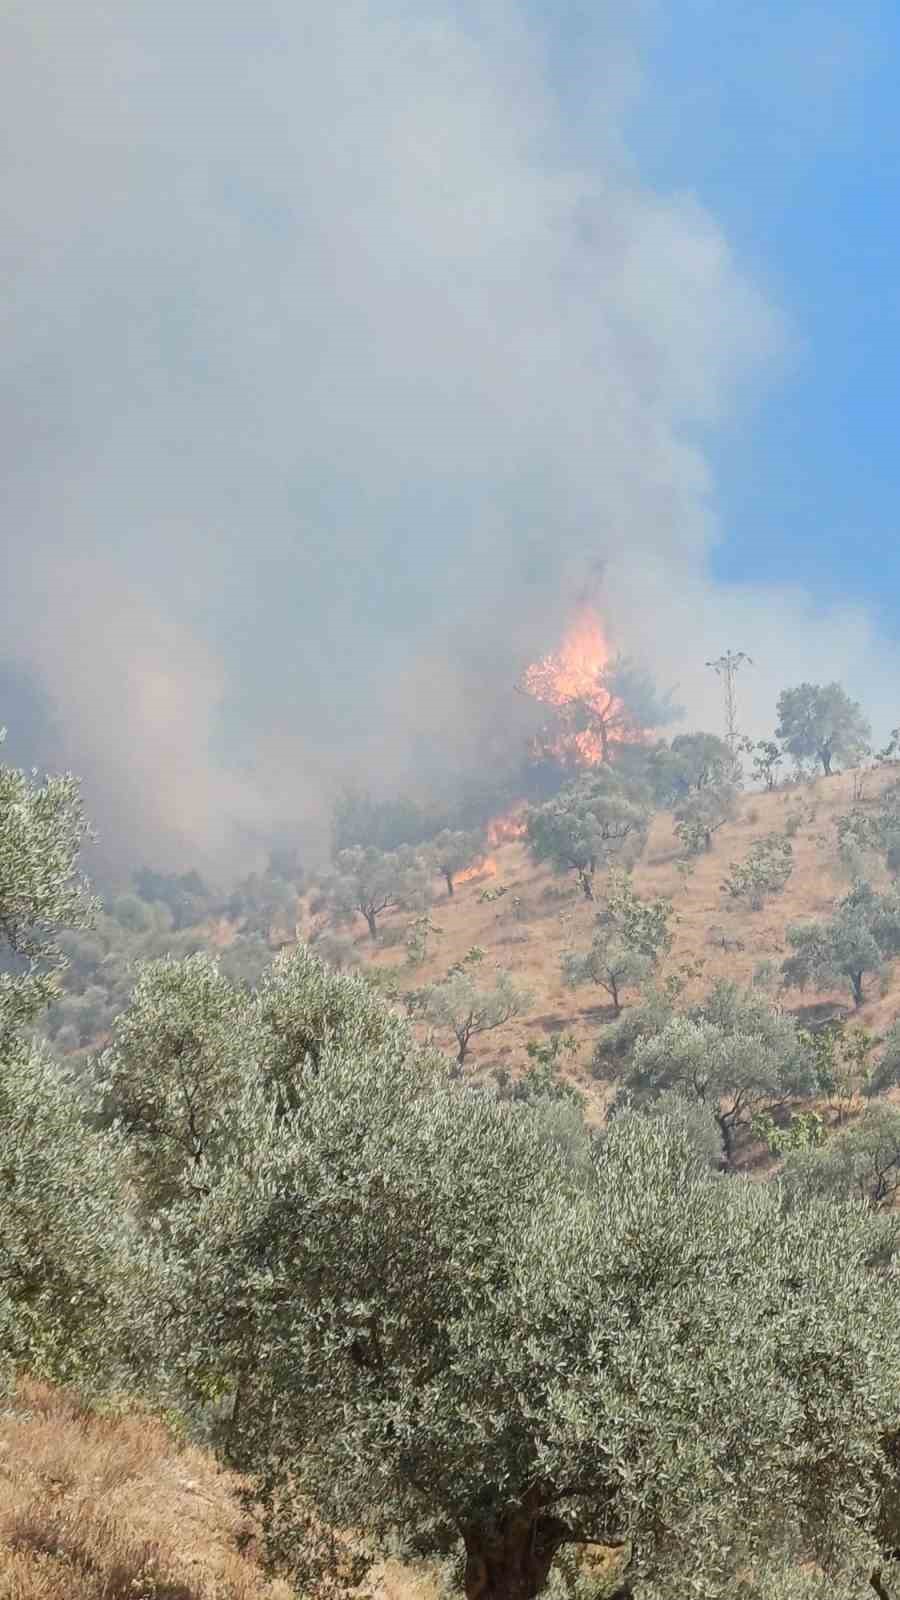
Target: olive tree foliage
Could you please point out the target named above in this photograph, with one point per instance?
(366, 881)
(696, 776)
(765, 870)
(302, 1007)
(177, 1058)
(642, 924)
(616, 1042)
(609, 963)
(64, 1257)
(691, 1120)
(190, 1040)
(766, 757)
(42, 892)
(465, 1008)
(884, 1074)
(819, 722)
(594, 824)
(439, 1336)
(360, 819)
(701, 813)
(630, 937)
(858, 941)
(862, 1159)
(692, 762)
(454, 851)
(873, 832)
(735, 1053)
(66, 1244)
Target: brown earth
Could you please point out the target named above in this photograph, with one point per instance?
(115, 1507)
(542, 915)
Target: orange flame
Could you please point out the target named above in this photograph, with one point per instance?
(480, 869)
(571, 680)
(507, 828)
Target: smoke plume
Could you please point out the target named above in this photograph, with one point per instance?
(334, 371)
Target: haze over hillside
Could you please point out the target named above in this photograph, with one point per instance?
(341, 367)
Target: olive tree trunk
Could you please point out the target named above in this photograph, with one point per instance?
(510, 1559)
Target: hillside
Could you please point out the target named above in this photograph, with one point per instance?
(107, 1507)
(541, 915)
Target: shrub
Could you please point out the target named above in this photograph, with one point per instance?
(765, 870)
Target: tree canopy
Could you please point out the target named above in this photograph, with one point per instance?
(861, 936)
(630, 937)
(366, 882)
(42, 891)
(591, 825)
(464, 1008)
(819, 722)
(448, 1337)
(734, 1052)
(454, 851)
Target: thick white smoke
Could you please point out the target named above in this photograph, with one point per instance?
(333, 374)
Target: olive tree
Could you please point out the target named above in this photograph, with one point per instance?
(302, 1006)
(765, 870)
(177, 1057)
(591, 825)
(630, 937)
(860, 938)
(767, 757)
(367, 882)
(885, 1073)
(455, 851)
(609, 963)
(618, 706)
(862, 1159)
(190, 1039)
(693, 761)
(42, 891)
(819, 722)
(464, 1008)
(66, 1242)
(64, 1235)
(734, 1052)
(702, 812)
(459, 1345)
(874, 831)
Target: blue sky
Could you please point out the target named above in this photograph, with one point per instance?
(785, 120)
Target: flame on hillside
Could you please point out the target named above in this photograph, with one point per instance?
(506, 828)
(502, 830)
(479, 869)
(572, 681)
(589, 718)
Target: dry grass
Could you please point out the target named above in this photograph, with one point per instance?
(109, 1508)
(555, 917)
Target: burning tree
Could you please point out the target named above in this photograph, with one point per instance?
(601, 700)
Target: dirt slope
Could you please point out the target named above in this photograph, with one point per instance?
(542, 915)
